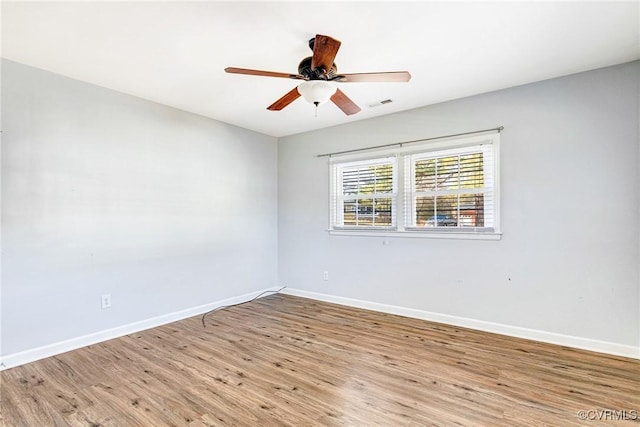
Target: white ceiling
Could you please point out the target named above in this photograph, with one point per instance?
(174, 53)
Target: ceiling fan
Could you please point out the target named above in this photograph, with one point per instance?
(320, 74)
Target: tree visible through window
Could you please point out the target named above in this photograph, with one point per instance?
(449, 191)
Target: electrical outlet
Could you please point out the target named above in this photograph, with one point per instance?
(105, 301)
(325, 275)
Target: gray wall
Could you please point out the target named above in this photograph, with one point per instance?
(165, 210)
(568, 259)
(106, 193)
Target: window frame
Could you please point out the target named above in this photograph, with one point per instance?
(336, 209)
(403, 181)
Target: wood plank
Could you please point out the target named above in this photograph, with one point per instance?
(290, 361)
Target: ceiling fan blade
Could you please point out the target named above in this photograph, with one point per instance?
(325, 49)
(390, 76)
(247, 71)
(344, 103)
(291, 96)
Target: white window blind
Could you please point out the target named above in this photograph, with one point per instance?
(364, 194)
(444, 189)
(451, 189)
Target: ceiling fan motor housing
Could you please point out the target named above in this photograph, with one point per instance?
(304, 69)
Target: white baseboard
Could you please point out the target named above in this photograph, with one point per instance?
(498, 328)
(31, 355)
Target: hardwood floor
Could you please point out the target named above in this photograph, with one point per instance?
(288, 361)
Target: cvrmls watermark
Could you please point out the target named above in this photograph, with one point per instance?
(608, 414)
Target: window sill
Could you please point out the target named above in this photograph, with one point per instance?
(418, 234)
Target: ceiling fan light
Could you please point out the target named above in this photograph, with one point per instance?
(317, 91)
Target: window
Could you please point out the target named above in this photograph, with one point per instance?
(451, 188)
(365, 194)
(438, 189)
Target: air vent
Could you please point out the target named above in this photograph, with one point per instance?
(379, 103)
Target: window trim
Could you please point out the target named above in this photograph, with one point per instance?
(401, 229)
